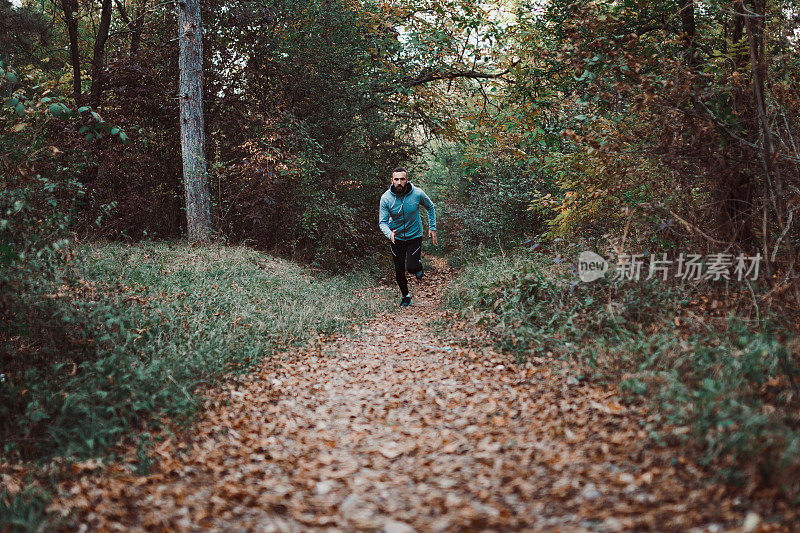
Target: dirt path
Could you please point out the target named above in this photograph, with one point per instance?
(391, 430)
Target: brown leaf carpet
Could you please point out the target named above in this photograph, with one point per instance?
(393, 430)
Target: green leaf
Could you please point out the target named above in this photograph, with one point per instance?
(12, 102)
(12, 79)
(38, 415)
(46, 99)
(20, 109)
(83, 129)
(114, 131)
(96, 116)
(124, 138)
(55, 109)
(6, 253)
(83, 109)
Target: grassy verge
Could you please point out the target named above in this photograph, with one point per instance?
(726, 382)
(137, 331)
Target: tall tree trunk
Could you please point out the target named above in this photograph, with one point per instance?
(687, 22)
(755, 32)
(773, 182)
(138, 25)
(70, 8)
(736, 185)
(190, 95)
(135, 26)
(99, 52)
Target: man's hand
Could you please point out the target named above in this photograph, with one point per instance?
(432, 235)
(391, 237)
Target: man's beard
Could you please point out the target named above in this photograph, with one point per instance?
(401, 189)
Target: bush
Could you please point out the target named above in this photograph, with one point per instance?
(486, 197)
(23, 510)
(38, 334)
(535, 308)
(274, 199)
(737, 390)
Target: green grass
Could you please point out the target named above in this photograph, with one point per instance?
(730, 385)
(143, 328)
(23, 510)
(130, 335)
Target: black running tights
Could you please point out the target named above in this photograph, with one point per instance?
(407, 255)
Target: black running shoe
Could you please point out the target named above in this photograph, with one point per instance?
(406, 301)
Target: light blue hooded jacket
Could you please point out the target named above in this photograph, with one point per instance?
(400, 213)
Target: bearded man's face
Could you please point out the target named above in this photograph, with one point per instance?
(400, 183)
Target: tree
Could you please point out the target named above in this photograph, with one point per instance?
(134, 22)
(98, 55)
(70, 8)
(190, 96)
(77, 29)
(23, 31)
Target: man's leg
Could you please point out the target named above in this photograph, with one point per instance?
(414, 255)
(399, 249)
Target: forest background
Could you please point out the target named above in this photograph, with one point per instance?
(541, 129)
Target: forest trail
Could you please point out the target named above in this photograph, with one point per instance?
(390, 430)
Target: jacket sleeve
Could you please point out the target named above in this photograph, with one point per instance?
(383, 220)
(428, 205)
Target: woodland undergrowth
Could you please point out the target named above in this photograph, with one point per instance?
(127, 337)
(722, 375)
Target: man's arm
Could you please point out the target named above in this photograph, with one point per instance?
(383, 221)
(426, 202)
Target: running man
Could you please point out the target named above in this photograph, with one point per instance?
(399, 220)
